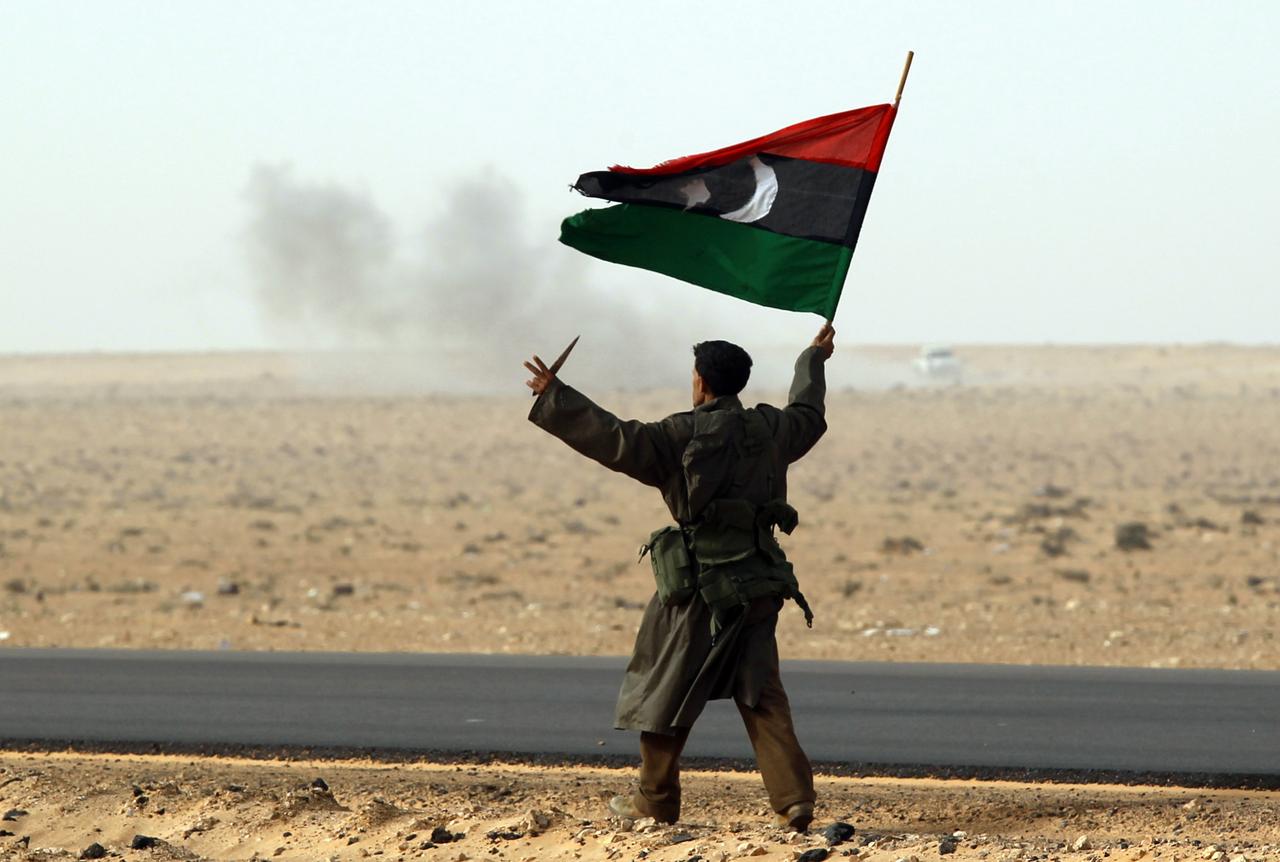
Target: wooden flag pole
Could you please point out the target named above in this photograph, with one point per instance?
(902, 83)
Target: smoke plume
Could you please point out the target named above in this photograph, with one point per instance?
(469, 296)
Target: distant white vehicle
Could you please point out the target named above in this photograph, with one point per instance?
(938, 361)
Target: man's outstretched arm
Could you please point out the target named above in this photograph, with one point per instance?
(641, 450)
(804, 414)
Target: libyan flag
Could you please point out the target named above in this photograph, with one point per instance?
(773, 220)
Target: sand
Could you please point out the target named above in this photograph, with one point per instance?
(260, 502)
(224, 808)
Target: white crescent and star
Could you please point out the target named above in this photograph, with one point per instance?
(696, 193)
(761, 199)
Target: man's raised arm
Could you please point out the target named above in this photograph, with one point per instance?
(642, 450)
(803, 416)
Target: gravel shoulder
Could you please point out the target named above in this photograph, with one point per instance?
(228, 808)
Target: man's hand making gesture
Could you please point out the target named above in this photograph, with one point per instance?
(542, 376)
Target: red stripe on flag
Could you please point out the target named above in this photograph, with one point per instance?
(853, 138)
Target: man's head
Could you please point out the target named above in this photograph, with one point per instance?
(719, 369)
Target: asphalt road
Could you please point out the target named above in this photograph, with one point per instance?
(1169, 722)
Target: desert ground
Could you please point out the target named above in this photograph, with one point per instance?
(1104, 506)
(267, 502)
(224, 808)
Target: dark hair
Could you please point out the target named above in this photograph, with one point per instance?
(723, 367)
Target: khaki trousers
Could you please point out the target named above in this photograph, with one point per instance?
(787, 774)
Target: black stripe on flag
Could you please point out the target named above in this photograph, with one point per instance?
(814, 200)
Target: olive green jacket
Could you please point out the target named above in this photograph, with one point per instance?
(690, 457)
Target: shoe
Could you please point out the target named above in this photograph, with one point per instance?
(797, 817)
(624, 807)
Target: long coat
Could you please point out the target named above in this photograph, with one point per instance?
(690, 457)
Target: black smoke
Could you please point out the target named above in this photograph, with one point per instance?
(469, 296)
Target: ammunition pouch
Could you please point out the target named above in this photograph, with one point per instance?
(740, 560)
(673, 567)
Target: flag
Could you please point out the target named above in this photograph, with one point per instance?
(773, 220)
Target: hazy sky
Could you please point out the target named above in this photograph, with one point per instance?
(1060, 172)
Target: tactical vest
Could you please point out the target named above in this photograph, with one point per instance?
(730, 555)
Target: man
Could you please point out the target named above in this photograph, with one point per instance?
(709, 631)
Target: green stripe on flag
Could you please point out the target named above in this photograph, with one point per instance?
(736, 259)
